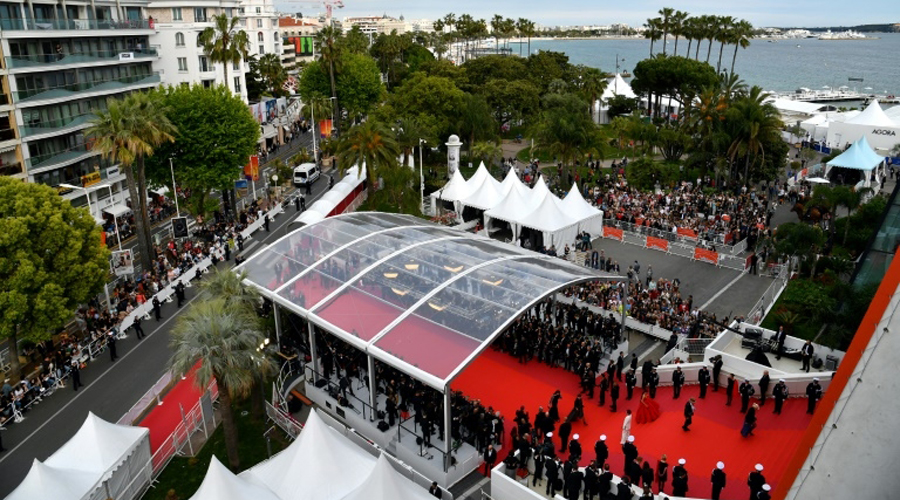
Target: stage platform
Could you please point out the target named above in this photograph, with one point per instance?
(499, 380)
(784, 364)
(399, 442)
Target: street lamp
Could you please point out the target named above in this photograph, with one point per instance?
(275, 182)
(174, 187)
(421, 177)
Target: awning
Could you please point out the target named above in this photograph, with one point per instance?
(117, 210)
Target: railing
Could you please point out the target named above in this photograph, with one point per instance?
(769, 297)
(76, 151)
(151, 397)
(11, 24)
(42, 60)
(11, 168)
(688, 346)
(194, 421)
(65, 90)
(47, 126)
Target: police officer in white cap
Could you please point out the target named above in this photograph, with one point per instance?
(601, 451)
(764, 494)
(813, 395)
(630, 451)
(575, 449)
(718, 480)
(779, 394)
(679, 479)
(756, 481)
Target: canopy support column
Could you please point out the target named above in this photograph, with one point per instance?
(313, 355)
(373, 391)
(447, 424)
(277, 314)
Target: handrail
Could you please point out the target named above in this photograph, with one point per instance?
(43, 59)
(24, 95)
(17, 24)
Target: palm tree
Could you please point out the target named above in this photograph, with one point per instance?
(526, 28)
(689, 30)
(593, 84)
(852, 199)
(127, 132)
(329, 50)
(270, 68)
(372, 145)
(678, 27)
(755, 122)
(713, 28)
(408, 133)
(666, 25)
(488, 152)
(653, 31)
(725, 35)
(224, 42)
(743, 33)
(224, 340)
(496, 30)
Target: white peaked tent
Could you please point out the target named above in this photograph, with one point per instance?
(540, 189)
(486, 196)
(548, 218)
(616, 86)
(385, 483)
(110, 459)
(510, 182)
(859, 156)
(878, 128)
(455, 190)
(319, 465)
(44, 482)
(589, 218)
(481, 176)
(221, 484)
(511, 209)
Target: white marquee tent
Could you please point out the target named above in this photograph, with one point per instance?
(882, 131)
(320, 465)
(385, 483)
(99, 461)
(557, 227)
(615, 86)
(859, 156)
(512, 182)
(222, 484)
(589, 218)
(511, 209)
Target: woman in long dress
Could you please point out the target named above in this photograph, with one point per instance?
(648, 410)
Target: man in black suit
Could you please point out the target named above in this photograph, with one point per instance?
(552, 476)
(813, 395)
(620, 366)
(575, 449)
(763, 387)
(613, 396)
(565, 429)
(590, 481)
(435, 490)
(604, 482)
(746, 390)
(490, 458)
(718, 480)
(76, 375)
(573, 484)
(779, 342)
(688, 414)
(630, 451)
(679, 479)
(806, 354)
(677, 382)
(703, 379)
(539, 460)
(646, 370)
(729, 389)
(111, 345)
(138, 329)
(157, 308)
(179, 292)
(623, 491)
(717, 369)
(630, 382)
(653, 383)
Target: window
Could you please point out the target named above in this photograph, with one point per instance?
(229, 12)
(199, 40)
(259, 23)
(236, 66)
(204, 64)
(260, 37)
(241, 11)
(208, 83)
(199, 14)
(259, 10)
(237, 85)
(262, 49)
(179, 39)
(176, 14)
(182, 64)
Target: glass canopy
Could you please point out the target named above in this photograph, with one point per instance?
(424, 298)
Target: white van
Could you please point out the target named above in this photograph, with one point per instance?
(306, 173)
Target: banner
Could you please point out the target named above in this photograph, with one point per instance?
(688, 232)
(613, 233)
(706, 255)
(251, 170)
(123, 262)
(658, 243)
(325, 128)
(90, 179)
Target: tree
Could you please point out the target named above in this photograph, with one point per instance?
(272, 73)
(224, 42)
(801, 240)
(372, 145)
(667, 14)
(127, 132)
(359, 84)
(563, 128)
(434, 100)
(511, 100)
(475, 120)
(753, 122)
(546, 66)
(724, 35)
(653, 31)
(526, 29)
(487, 151)
(224, 340)
(216, 136)
(408, 133)
(675, 76)
(329, 50)
(741, 36)
(678, 28)
(620, 105)
(51, 261)
(355, 42)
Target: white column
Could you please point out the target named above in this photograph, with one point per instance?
(277, 314)
(447, 423)
(373, 392)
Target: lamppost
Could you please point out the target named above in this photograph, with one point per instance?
(174, 187)
(275, 182)
(421, 176)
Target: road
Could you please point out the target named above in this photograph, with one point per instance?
(111, 388)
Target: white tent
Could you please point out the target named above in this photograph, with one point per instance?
(558, 228)
(109, 460)
(221, 484)
(859, 156)
(589, 218)
(872, 123)
(319, 465)
(617, 86)
(44, 482)
(454, 190)
(481, 176)
(486, 196)
(309, 216)
(511, 181)
(511, 209)
(385, 483)
(540, 189)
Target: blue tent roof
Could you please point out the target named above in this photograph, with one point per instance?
(859, 156)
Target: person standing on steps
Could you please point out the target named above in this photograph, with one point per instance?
(613, 396)
(729, 389)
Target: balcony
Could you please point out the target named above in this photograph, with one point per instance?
(8, 24)
(51, 126)
(11, 169)
(74, 89)
(59, 157)
(42, 61)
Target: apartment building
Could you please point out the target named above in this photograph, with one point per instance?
(298, 40)
(178, 25)
(61, 61)
(261, 23)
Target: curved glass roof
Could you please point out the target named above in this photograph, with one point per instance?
(424, 298)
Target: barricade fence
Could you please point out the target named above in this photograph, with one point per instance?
(192, 422)
(683, 235)
(770, 296)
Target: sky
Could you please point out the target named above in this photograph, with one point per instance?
(761, 13)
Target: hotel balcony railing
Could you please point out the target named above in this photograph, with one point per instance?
(73, 24)
(55, 157)
(49, 126)
(43, 60)
(11, 168)
(73, 89)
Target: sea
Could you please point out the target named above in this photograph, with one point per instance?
(784, 65)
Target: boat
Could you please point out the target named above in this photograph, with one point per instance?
(844, 35)
(854, 79)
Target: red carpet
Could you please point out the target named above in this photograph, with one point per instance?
(163, 419)
(498, 380)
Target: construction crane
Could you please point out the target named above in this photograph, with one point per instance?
(329, 5)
